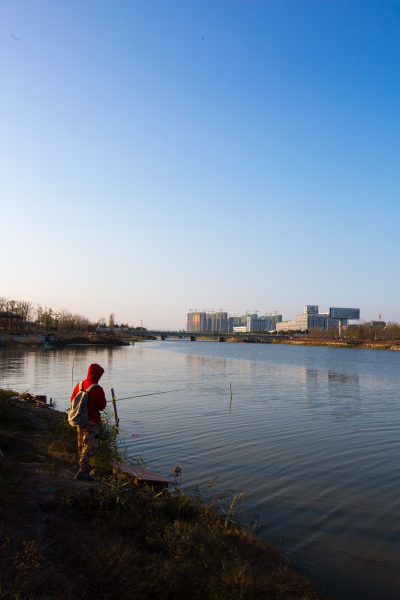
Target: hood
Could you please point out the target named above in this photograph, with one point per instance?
(95, 371)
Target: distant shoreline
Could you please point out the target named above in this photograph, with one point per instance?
(62, 340)
(367, 344)
(371, 345)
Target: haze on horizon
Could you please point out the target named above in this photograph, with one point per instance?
(161, 155)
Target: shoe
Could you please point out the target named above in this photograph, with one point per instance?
(83, 476)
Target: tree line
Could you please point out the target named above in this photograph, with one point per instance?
(49, 319)
(361, 332)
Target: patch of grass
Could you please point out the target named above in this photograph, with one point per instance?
(11, 417)
(164, 546)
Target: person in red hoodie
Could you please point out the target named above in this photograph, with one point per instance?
(88, 436)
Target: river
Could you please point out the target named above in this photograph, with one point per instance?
(310, 437)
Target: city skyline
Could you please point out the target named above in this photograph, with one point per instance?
(162, 155)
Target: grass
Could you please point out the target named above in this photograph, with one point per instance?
(61, 539)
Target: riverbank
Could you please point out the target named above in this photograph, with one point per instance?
(371, 344)
(303, 340)
(65, 539)
(68, 339)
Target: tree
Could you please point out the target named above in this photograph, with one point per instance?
(26, 309)
(47, 317)
(3, 302)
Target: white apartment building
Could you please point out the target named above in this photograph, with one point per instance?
(310, 319)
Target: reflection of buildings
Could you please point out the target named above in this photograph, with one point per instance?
(332, 392)
(310, 319)
(311, 377)
(340, 380)
(202, 363)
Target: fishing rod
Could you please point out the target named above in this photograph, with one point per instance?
(152, 394)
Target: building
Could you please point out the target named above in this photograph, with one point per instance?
(217, 321)
(310, 319)
(240, 329)
(255, 324)
(10, 322)
(243, 318)
(196, 321)
(265, 323)
(207, 322)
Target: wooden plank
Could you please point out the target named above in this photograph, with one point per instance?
(142, 474)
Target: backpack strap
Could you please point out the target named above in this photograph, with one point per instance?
(91, 387)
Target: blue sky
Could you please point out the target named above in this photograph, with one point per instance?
(164, 155)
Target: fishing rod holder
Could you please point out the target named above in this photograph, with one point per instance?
(114, 405)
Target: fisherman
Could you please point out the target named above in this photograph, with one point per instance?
(88, 436)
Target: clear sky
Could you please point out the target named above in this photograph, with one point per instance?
(157, 156)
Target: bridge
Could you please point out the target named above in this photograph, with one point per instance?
(220, 336)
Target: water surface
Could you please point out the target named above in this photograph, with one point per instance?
(311, 438)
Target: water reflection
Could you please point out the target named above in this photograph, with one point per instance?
(337, 391)
(343, 380)
(344, 394)
(202, 363)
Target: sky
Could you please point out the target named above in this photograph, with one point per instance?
(161, 156)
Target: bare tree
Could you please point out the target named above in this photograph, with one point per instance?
(392, 331)
(26, 309)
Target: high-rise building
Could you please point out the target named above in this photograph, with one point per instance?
(210, 322)
(196, 321)
(218, 321)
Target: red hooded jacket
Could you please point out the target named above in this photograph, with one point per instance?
(96, 400)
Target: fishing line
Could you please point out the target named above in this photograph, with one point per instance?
(215, 388)
(153, 394)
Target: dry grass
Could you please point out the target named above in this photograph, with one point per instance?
(62, 539)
